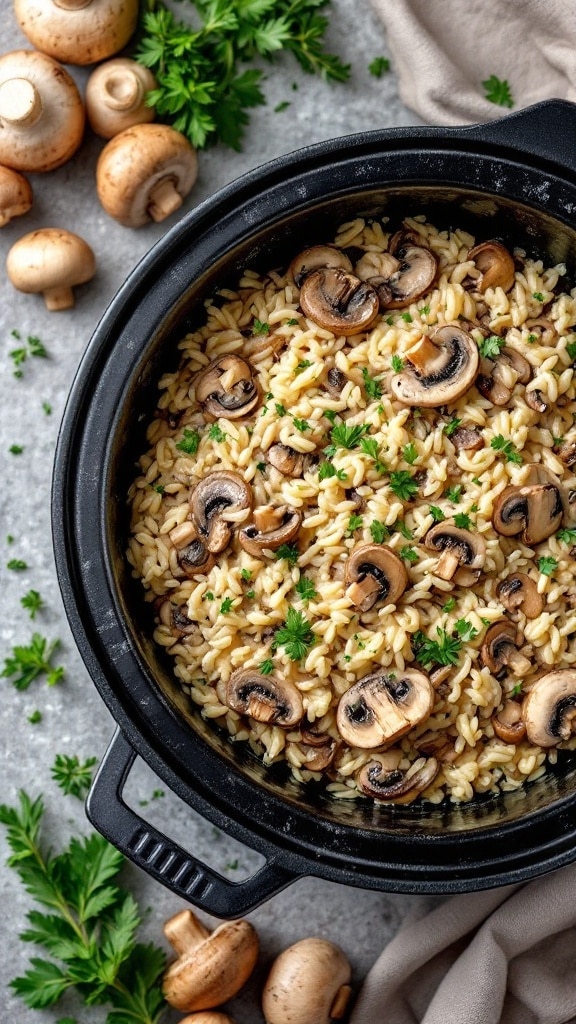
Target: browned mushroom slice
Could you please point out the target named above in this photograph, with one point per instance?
(397, 786)
(439, 370)
(319, 750)
(566, 451)
(415, 275)
(318, 257)
(287, 460)
(271, 528)
(467, 439)
(508, 724)
(496, 265)
(493, 389)
(535, 511)
(195, 559)
(519, 592)
(226, 388)
(382, 707)
(336, 381)
(268, 699)
(492, 385)
(500, 650)
(535, 399)
(549, 710)
(459, 548)
(403, 239)
(374, 573)
(338, 301)
(218, 493)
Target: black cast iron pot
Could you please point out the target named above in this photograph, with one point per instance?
(514, 179)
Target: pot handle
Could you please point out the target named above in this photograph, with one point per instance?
(164, 859)
(546, 129)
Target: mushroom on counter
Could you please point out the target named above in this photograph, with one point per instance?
(496, 265)
(460, 549)
(77, 31)
(15, 195)
(269, 699)
(207, 1017)
(441, 368)
(318, 257)
(396, 785)
(399, 277)
(218, 493)
(508, 724)
(226, 387)
(374, 573)
(211, 966)
(338, 301)
(499, 649)
(308, 983)
(549, 709)
(116, 96)
(51, 261)
(519, 592)
(271, 527)
(535, 510)
(381, 707)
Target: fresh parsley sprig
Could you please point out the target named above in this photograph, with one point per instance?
(295, 636)
(27, 662)
(72, 775)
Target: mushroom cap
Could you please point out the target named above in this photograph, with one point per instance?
(495, 264)
(286, 459)
(51, 261)
(137, 166)
(397, 786)
(414, 274)
(519, 592)
(214, 970)
(115, 96)
(226, 387)
(500, 642)
(217, 495)
(535, 510)
(508, 724)
(15, 195)
(381, 707)
(467, 438)
(316, 257)
(195, 559)
(269, 699)
(467, 548)
(74, 32)
(41, 112)
(338, 301)
(271, 528)
(207, 1017)
(549, 709)
(305, 984)
(374, 573)
(443, 377)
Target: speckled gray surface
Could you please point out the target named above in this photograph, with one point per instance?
(74, 719)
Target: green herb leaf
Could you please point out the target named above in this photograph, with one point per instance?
(568, 536)
(304, 363)
(266, 667)
(507, 449)
(452, 425)
(35, 717)
(305, 589)
(73, 776)
(379, 66)
(343, 436)
(260, 327)
(410, 554)
(466, 631)
(16, 449)
(454, 493)
(28, 662)
(379, 531)
(32, 602)
(216, 433)
(289, 552)
(490, 347)
(449, 605)
(397, 364)
(295, 636)
(189, 442)
(354, 523)
(245, 574)
(436, 513)
(547, 565)
(403, 485)
(443, 651)
(301, 425)
(462, 521)
(497, 91)
(538, 296)
(371, 386)
(16, 565)
(410, 453)
(326, 470)
(226, 606)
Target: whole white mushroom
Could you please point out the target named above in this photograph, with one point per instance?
(308, 983)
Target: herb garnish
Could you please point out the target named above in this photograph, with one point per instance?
(547, 565)
(354, 523)
(226, 606)
(266, 667)
(506, 448)
(567, 535)
(343, 436)
(379, 531)
(28, 662)
(443, 651)
(454, 493)
(16, 565)
(304, 363)
(305, 589)
(371, 386)
(73, 777)
(379, 66)
(436, 513)
(451, 426)
(490, 347)
(32, 602)
(189, 442)
(466, 631)
(497, 91)
(397, 364)
(410, 453)
(409, 553)
(403, 484)
(295, 636)
(216, 433)
(289, 552)
(327, 470)
(462, 520)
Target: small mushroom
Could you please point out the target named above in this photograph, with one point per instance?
(51, 261)
(374, 573)
(41, 112)
(144, 173)
(397, 785)
(116, 96)
(336, 381)
(211, 967)
(287, 460)
(496, 266)
(195, 559)
(492, 385)
(566, 451)
(549, 709)
(508, 724)
(77, 31)
(534, 510)
(500, 650)
(338, 301)
(459, 547)
(308, 983)
(15, 195)
(467, 439)
(227, 388)
(319, 750)
(174, 617)
(219, 494)
(410, 274)
(269, 699)
(535, 399)
(318, 257)
(441, 368)
(271, 527)
(207, 1017)
(519, 592)
(382, 707)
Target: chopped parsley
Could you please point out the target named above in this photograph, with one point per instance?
(443, 651)
(449, 605)
(251, 594)
(36, 347)
(16, 565)
(28, 662)
(281, 106)
(245, 574)
(462, 521)
(538, 296)
(261, 467)
(305, 589)
(354, 523)
(35, 717)
(407, 317)
(379, 66)
(289, 552)
(507, 449)
(260, 327)
(401, 527)
(47, 408)
(397, 364)
(498, 91)
(32, 602)
(547, 565)
(410, 453)
(371, 386)
(343, 436)
(403, 485)
(280, 409)
(490, 347)
(454, 493)
(466, 631)
(216, 433)
(16, 449)
(571, 349)
(73, 776)
(301, 425)
(568, 536)
(304, 363)
(410, 554)
(226, 605)
(451, 426)
(516, 690)
(293, 321)
(437, 514)
(327, 470)
(266, 667)
(189, 442)
(379, 531)
(295, 636)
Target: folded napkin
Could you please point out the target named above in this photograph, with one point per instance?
(504, 956)
(443, 50)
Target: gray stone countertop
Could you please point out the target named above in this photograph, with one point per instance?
(74, 720)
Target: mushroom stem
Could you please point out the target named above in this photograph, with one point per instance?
(338, 1008)
(58, 298)
(20, 103)
(447, 564)
(362, 593)
(164, 199)
(123, 89)
(72, 5)
(519, 664)
(422, 353)
(184, 932)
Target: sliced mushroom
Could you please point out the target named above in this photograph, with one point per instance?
(549, 710)
(519, 592)
(492, 385)
(319, 750)
(397, 786)
(217, 494)
(467, 439)
(287, 460)
(535, 399)
(318, 257)
(459, 548)
(374, 573)
(496, 266)
(227, 388)
(336, 381)
(500, 649)
(195, 559)
(493, 389)
(566, 452)
(441, 368)
(174, 616)
(508, 724)
(271, 528)
(535, 510)
(338, 301)
(382, 707)
(268, 699)
(404, 276)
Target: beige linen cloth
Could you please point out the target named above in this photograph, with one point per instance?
(504, 956)
(442, 51)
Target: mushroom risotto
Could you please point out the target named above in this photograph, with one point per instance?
(355, 516)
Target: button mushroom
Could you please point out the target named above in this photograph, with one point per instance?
(491, 383)
(534, 510)
(77, 31)
(466, 438)
(459, 547)
(268, 699)
(519, 592)
(396, 785)
(41, 112)
(195, 559)
(15, 195)
(219, 494)
(144, 173)
(319, 750)
(318, 257)
(50, 261)
(374, 573)
(549, 710)
(116, 96)
(336, 381)
(500, 650)
(287, 460)
(566, 451)
(271, 528)
(307, 984)
(211, 967)
(175, 618)
(338, 301)
(508, 724)
(207, 1017)
(382, 707)
(404, 275)
(441, 368)
(495, 264)
(227, 388)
